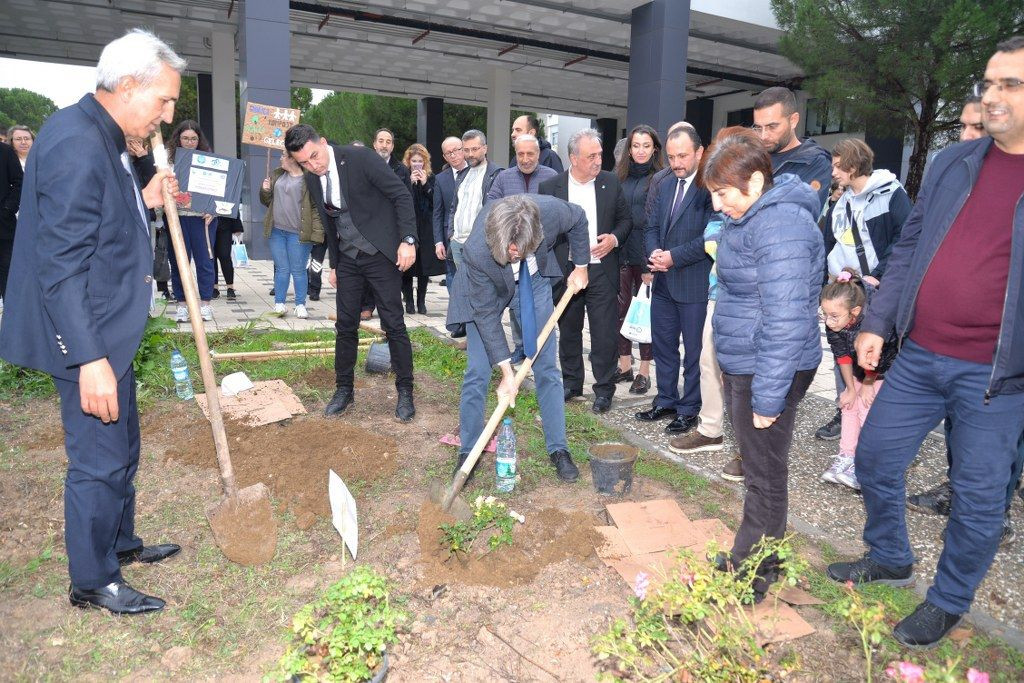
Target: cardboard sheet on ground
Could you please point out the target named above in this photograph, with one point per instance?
(646, 537)
(267, 402)
(343, 512)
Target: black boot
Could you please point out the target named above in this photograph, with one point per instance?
(421, 295)
(407, 294)
(405, 410)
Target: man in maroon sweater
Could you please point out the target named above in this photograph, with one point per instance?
(954, 290)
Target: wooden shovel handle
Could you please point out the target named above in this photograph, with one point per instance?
(503, 402)
(188, 282)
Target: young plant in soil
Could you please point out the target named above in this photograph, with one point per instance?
(693, 627)
(489, 516)
(343, 635)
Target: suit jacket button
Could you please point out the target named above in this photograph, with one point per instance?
(149, 279)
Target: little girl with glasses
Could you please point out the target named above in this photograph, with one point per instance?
(843, 304)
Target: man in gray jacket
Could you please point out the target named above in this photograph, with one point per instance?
(508, 262)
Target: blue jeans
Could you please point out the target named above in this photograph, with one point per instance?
(290, 257)
(550, 394)
(198, 248)
(920, 389)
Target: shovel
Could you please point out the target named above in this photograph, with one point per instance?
(448, 500)
(243, 523)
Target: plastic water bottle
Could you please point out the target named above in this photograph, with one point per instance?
(505, 462)
(182, 381)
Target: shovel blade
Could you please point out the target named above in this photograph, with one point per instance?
(244, 527)
(458, 508)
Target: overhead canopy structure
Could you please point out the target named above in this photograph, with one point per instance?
(565, 56)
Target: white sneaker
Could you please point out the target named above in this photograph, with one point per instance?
(181, 314)
(279, 309)
(848, 477)
(837, 466)
(206, 311)
(301, 312)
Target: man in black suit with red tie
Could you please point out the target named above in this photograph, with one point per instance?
(370, 225)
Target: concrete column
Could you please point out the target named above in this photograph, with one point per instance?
(224, 122)
(265, 77)
(499, 115)
(609, 130)
(204, 104)
(430, 128)
(659, 34)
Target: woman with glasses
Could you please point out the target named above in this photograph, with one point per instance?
(21, 138)
(765, 325)
(198, 230)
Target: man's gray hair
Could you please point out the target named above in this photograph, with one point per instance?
(513, 220)
(138, 54)
(574, 140)
(525, 137)
(474, 133)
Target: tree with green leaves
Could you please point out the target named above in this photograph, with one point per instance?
(902, 67)
(20, 106)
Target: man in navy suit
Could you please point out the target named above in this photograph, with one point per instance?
(78, 299)
(674, 242)
(444, 200)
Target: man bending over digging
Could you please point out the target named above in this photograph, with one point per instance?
(509, 262)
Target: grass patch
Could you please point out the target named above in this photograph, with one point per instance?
(10, 574)
(676, 476)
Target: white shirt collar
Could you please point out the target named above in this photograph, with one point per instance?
(578, 183)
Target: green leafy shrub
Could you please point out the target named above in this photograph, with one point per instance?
(489, 515)
(692, 626)
(343, 635)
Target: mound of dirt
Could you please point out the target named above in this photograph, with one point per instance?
(548, 537)
(293, 458)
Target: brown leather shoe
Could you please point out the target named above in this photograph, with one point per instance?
(733, 470)
(640, 385)
(695, 442)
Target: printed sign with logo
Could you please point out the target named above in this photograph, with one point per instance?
(266, 125)
(209, 183)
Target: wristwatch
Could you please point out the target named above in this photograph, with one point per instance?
(409, 239)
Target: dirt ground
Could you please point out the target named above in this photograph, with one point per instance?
(525, 613)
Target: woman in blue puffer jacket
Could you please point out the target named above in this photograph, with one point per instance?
(765, 323)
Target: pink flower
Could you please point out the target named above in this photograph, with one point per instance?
(640, 586)
(906, 672)
(975, 676)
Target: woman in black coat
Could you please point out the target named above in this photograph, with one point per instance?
(640, 160)
(417, 160)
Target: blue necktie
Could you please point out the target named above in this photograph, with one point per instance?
(527, 312)
(678, 202)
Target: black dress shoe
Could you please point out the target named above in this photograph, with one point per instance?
(571, 394)
(409, 307)
(421, 309)
(216, 293)
(405, 410)
(602, 404)
(117, 597)
(313, 296)
(232, 295)
(622, 376)
(459, 332)
(564, 466)
(655, 413)
(342, 399)
(148, 554)
(681, 425)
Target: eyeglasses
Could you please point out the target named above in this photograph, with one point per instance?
(1010, 85)
(832, 318)
(453, 152)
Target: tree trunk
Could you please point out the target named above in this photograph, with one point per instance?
(923, 136)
